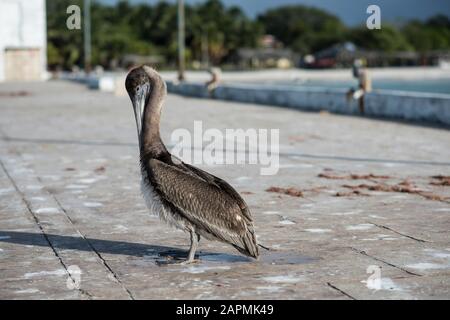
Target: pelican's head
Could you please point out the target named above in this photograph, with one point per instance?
(138, 88)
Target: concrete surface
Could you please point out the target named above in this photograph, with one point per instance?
(70, 204)
(412, 106)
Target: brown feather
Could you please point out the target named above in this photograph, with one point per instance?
(208, 202)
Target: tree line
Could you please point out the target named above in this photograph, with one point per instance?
(217, 31)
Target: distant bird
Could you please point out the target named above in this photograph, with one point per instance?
(182, 195)
(212, 84)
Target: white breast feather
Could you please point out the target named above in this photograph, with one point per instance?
(156, 207)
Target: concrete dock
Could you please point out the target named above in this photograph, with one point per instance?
(360, 208)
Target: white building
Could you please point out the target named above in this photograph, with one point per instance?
(23, 40)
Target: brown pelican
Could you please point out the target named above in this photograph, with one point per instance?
(183, 195)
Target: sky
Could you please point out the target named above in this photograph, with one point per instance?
(351, 12)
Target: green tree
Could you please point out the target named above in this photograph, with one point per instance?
(434, 34)
(64, 45)
(388, 39)
(145, 29)
(304, 29)
(224, 29)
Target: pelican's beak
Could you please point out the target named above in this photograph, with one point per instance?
(139, 101)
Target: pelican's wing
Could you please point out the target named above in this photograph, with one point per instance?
(207, 203)
(224, 186)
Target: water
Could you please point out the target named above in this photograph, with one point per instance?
(426, 86)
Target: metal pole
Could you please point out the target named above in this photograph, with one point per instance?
(181, 65)
(87, 36)
(205, 49)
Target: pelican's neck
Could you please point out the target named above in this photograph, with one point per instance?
(151, 143)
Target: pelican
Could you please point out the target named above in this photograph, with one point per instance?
(182, 195)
